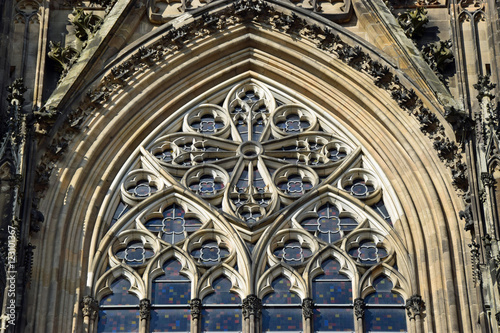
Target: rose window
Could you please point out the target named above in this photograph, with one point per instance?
(368, 253)
(135, 253)
(238, 155)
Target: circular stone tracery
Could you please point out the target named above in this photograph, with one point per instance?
(243, 150)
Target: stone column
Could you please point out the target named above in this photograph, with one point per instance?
(307, 312)
(145, 314)
(414, 307)
(359, 312)
(252, 311)
(90, 309)
(195, 315)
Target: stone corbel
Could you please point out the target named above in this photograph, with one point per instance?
(252, 306)
(414, 307)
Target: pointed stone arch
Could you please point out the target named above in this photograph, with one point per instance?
(117, 125)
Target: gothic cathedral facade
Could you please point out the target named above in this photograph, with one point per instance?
(249, 166)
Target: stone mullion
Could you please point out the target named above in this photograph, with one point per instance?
(90, 310)
(359, 313)
(195, 315)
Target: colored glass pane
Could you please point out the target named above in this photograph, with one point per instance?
(282, 293)
(383, 293)
(385, 320)
(222, 293)
(281, 319)
(330, 292)
(333, 319)
(118, 320)
(171, 292)
(331, 270)
(120, 295)
(221, 320)
(170, 320)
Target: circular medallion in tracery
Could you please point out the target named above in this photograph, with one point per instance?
(252, 155)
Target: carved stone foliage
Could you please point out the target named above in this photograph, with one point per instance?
(484, 87)
(145, 309)
(63, 56)
(28, 262)
(11, 128)
(254, 12)
(90, 306)
(476, 270)
(359, 308)
(487, 179)
(413, 22)
(439, 56)
(307, 308)
(252, 306)
(85, 24)
(462, 123)
(466, 215)
(195, 308)
(414, 306)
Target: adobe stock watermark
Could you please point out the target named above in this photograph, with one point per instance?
(9, 316)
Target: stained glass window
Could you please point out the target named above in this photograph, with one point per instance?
(385, 311)
(170, 295)
(332, 296)
(281, 308)
(240, 159)
(221, 309)
(119, 311)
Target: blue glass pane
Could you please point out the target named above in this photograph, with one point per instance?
(332, 292)
(222, 294)
(171, 293)
(120, 210)
(120, 295)
(170, 320)
(221, 320)
(385, 320)
(281, 294)
(383, 294)
(120, 320)
(333, 320)
(172, 270)
(331, 270)
(380, 208)
(282, 319)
